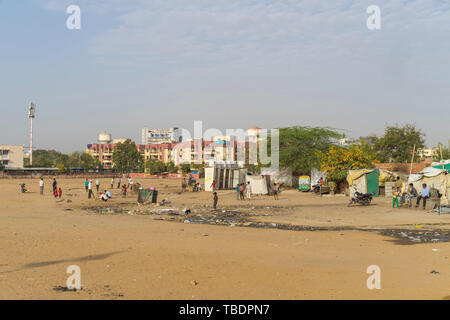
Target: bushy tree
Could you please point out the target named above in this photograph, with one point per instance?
(171, 167)
(299, 145)
(126, 157)
(445, 153)
(155, 166)
(397, 143)
(338, 160)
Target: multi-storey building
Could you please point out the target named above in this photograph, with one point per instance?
(156, 136)
(11, 156)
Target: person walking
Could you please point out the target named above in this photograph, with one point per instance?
(248, 189)
(90, 193)
(237, 191)
(97, 184)
(118, 183)
(86, 184)
(213, 186)
(124, 190)
(112, 183)
(41, 186)
(60, 192)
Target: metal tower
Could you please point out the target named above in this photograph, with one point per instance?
(31, 115)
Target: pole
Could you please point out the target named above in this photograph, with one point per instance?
(31, 141)
(412, 159)
(442, 160)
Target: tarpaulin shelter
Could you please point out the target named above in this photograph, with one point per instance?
(438, 165)
(435, 178)
(364, 181)
(146, 195)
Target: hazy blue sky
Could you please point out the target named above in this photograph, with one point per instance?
(232, 64)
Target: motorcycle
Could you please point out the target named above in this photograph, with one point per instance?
(316, 187)
(22, 188)
(361, 198)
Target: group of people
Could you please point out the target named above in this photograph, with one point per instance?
(241, 188)
(56, 191)
(409, 194)
(105, 195)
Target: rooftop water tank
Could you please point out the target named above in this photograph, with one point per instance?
(104, 138)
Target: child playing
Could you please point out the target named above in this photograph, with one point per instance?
(216, 198)
(395, 196)
(60, 192)
(55, 193)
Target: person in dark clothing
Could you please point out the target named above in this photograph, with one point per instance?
(55, 185)
(215, 199)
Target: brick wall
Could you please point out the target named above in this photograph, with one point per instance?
(402, 167)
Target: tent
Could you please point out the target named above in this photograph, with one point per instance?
(435, 179)
(364, 181)
(438, 165)
(260, 184)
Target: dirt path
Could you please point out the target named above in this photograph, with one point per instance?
(124, 256)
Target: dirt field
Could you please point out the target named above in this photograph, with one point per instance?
(126, 251)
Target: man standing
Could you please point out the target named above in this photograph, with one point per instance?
(86, 184)
(118, 183)
(424, 194)
(90, 193)
(248, 189)
(213, 186)
(112, 183)
(97, 184)
(41, 186)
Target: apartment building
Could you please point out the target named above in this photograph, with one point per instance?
(11, 156)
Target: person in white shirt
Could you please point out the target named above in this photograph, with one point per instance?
(249, 190)
(41, 186)
(90, 193)
(108, 194)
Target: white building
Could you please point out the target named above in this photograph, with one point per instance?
(11, 156)
(155, 136)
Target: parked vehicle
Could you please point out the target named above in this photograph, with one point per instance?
(361, 198)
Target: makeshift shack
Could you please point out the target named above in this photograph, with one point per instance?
(260, 184)
(282, 176)
(226, 177)
(435, 179)
(363, 181)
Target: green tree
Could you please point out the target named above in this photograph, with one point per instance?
(185, 168)
(397, 143)
(126, 157)
(155, 166)
(171, 167)
(2, 167)
(445, 153)
(299, 146)
(43, 158)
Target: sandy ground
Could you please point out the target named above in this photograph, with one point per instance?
(125, 256)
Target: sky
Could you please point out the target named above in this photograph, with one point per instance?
(228, 63)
